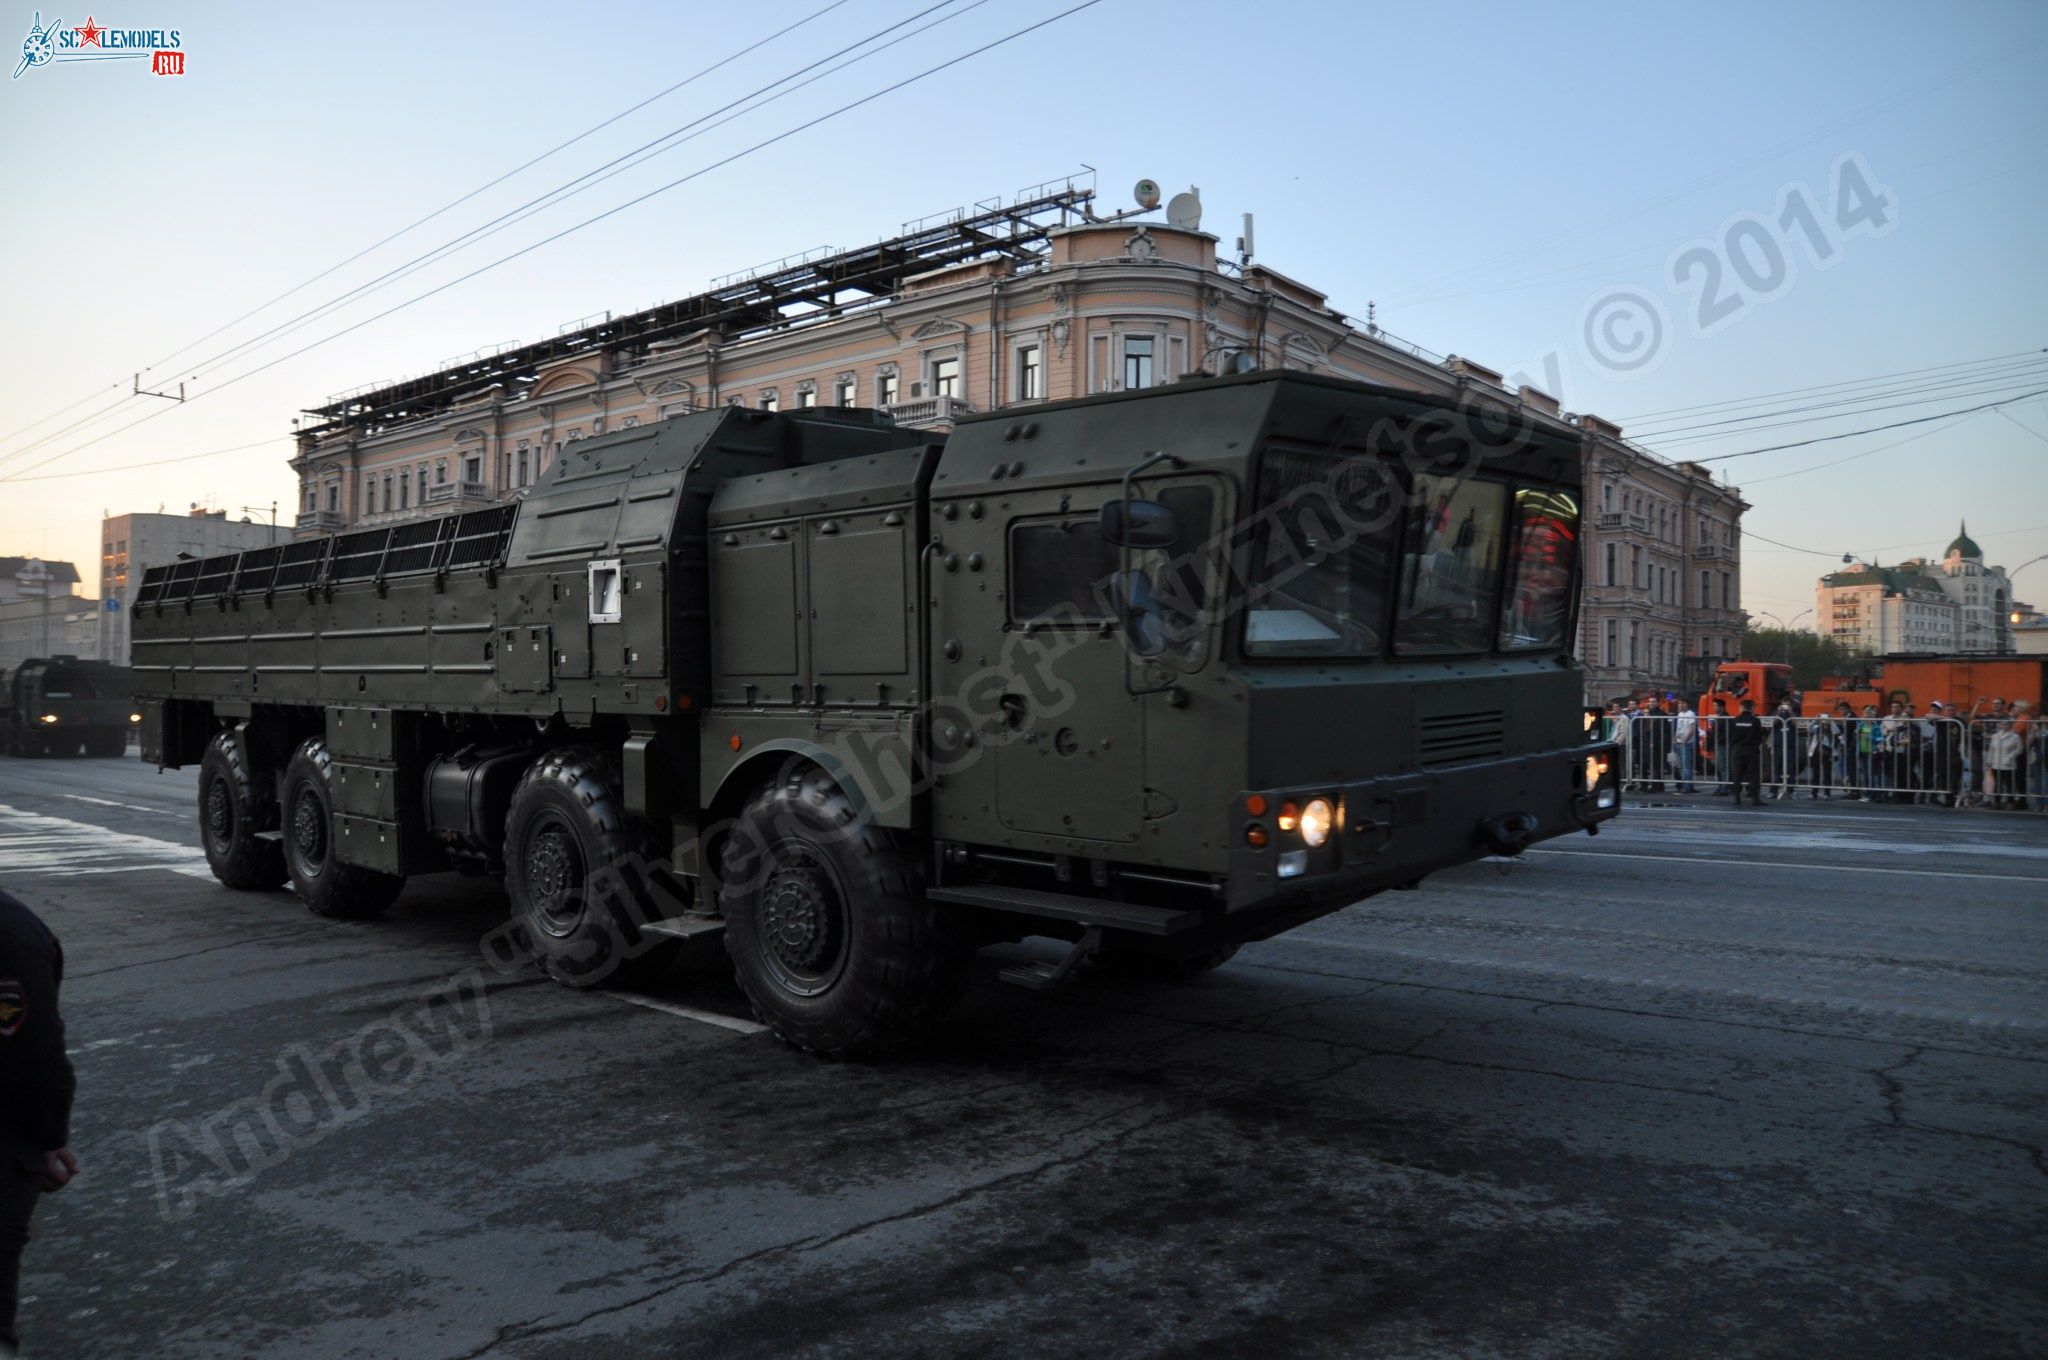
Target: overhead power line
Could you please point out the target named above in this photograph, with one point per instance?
(1823, 387)
(1850, 434)
(1993, 388)
(784, 135)
(1956, 382)
(444, 208)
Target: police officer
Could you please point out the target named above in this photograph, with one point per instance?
(1746, 736)
(36, 1083)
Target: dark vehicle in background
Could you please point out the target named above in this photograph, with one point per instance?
(60, 705)
(1153, 673)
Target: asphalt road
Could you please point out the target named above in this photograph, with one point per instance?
(1717, 1082)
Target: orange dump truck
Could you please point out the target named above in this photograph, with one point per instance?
(1918, 680)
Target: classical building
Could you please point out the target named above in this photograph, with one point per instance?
(55, 625)
(1037, 300)
(31, 578)
(1957, 604)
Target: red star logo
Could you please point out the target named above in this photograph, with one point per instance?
(89, 36)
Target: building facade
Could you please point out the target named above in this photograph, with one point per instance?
(31, 578)
(57, 625)
(1957, 604)
(128, 543)
(1036, 301)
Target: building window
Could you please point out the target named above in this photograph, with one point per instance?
(1635, 567)
(334, 496)
(521, 464)
(1138, 350)
(1613, 652)
(886, 387)
(1727, 590)
(946, 377)
(807, 396)
(370, 496)
(1706, 589)
(843, 392)
(769, 401)
(1635, 639)
(441, 472)
(1607, 496)
(473, 468)
(1612, 579)
(1030, 373)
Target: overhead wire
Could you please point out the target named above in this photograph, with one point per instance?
(784, 135)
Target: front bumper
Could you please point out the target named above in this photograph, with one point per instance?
(1393, 830)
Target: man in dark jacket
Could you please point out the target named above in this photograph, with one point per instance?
(1746, 736)
(36, 1080)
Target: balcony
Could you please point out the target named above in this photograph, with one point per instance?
(456, 493)
(320, 521)
(928, 412)
(1622, 519)
(1713, 552)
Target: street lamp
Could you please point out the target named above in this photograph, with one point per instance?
(1786, 628)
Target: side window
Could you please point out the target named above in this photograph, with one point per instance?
(1060, 571)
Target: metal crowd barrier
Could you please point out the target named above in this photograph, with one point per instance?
(1950, 762)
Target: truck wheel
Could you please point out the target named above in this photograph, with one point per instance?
(1164, 967)
(342, 892)
(230, 817)
(827, 924)
(575, 872)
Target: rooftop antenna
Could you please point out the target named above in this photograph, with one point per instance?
(1185, 210)
(1244, 243)
(1146, 194)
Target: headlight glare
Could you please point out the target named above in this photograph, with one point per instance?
(1318, 818)
(49, 717)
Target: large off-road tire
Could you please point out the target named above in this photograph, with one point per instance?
(1163, 967)
(232, 811)
(581, 874)
(828, 927)
(328, 887)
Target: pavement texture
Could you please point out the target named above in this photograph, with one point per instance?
(1716, 1082)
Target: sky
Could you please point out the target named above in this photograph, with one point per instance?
(1703, 224)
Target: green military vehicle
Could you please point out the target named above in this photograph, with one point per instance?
(60, 705)
(1153, 673)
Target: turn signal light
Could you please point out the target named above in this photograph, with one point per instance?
(1290, 816)
(1256, 805)
(1255, 836)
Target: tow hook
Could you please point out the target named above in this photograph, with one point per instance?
(1509, 833)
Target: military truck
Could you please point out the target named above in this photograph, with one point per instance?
(60, 705)
(1153, 674)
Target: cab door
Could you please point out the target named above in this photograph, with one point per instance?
(1034, 733)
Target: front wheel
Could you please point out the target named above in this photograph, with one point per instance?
(328, 887)
(828, 927)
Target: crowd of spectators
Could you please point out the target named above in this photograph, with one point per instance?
(1992, 755)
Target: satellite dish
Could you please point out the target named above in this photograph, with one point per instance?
(1147, 194)
(1185, 212)
(1243, 362)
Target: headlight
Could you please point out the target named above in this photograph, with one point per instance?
(134, 717)
(49, 717)
(1316, 820)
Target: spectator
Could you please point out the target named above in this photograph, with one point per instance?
(1823, 739)
(2002, 755)
(2023, 724)
(1784, 750)
(1685, 735)
(1945, 759)
(1720, 750)
(1894, 747)
(1868, 738)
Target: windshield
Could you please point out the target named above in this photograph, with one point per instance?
(68, 684)
(1450, 573)
(1540, 577)
(1322, 556)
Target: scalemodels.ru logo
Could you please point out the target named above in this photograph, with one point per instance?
(90, 41)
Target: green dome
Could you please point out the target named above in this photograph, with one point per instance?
(1964, 544)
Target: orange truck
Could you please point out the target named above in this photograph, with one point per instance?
(1918, 680)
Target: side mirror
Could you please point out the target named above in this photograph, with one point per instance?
(1138, 524)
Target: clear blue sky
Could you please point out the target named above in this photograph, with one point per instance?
(1480, 171)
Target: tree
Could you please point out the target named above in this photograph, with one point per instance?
(1810, 655)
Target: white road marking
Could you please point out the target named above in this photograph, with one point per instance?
(37, 843)
(732, 1023)
(125, 807)
(1653, 858)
